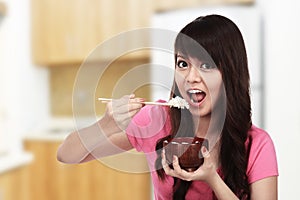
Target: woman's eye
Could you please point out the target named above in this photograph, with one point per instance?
(206, 66)
(182, 64)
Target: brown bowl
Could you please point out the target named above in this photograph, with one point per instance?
(188, 151)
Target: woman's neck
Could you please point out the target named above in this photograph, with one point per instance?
(204, 129)
(201, 125)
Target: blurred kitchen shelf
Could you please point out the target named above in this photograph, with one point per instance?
(2, 9)
(167, 5)
(11, 161)
(67, 31)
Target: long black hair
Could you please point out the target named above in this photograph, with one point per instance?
(223, 41)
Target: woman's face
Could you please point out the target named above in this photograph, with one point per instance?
(199, 83)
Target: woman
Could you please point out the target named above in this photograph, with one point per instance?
(211, 74)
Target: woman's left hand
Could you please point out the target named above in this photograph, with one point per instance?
(205, 172)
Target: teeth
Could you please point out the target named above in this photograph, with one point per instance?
(194, 91)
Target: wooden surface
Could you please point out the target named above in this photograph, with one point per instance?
(165, 5)
(51, 180)
(2, 8)
(62, 81)
(67, 31)
(13, 184)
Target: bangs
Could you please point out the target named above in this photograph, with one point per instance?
(189, 47)
(195, 41)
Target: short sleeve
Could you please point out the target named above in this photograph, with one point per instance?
(262, 161)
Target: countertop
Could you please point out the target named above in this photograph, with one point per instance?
(58, 128)
(54, 129)
(14, 160)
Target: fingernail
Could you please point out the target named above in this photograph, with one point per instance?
(140, 99)
(174, 158)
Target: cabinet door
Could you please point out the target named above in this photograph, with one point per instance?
(52, 180)
(67, 31)
(13, 184)
(166, 5)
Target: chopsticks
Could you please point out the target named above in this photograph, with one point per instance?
(106, 100)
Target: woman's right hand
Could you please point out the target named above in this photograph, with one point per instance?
(91, 142)
(120, 111)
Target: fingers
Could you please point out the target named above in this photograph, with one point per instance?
(126, 104)
(203, 173)
(176, 171)
(166, 166)
(205, 153)
(176, 165)
(164, 163)
(207, 158)
(132, 105)
(122, 110)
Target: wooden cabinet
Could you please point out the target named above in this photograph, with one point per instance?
(67, 31)
(2, 8)
(51, 180)
(164, 5)
(13, 184)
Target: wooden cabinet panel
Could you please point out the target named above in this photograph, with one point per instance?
(50, 179)
(164, 5)
(2, 9)
(67, 31)
(13, 184)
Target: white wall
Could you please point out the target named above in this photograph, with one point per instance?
(23, 86)
(282, 105)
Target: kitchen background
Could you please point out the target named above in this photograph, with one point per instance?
(42, 46)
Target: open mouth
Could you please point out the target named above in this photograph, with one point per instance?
(196, 96)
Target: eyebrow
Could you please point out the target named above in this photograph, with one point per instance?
(181, 56)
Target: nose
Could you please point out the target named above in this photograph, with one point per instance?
(193, 76)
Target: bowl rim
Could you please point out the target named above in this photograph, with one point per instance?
(190, 142)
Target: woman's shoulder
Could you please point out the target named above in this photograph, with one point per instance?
(262, 155)
(258, 134)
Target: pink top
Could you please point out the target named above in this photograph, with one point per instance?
(153, 123)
